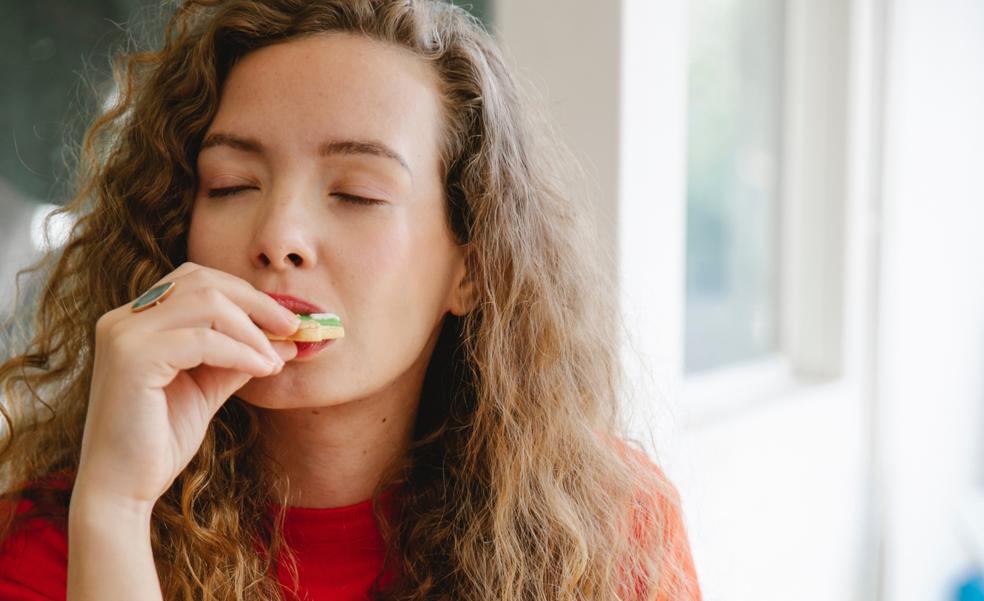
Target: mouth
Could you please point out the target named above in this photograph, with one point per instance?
(306, 349)
(295, 304)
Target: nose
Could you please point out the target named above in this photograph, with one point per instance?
(290, 258)
(282, 236)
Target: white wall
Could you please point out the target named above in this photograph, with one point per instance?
(569, 51)
(932, 319)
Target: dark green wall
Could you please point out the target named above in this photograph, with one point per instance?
(46, 47)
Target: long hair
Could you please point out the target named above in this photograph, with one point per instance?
(519, 483)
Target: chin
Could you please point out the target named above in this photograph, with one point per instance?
(275, 403)
(282, 391)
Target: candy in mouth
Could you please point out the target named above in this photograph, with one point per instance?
(315, 327)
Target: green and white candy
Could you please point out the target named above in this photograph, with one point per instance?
(315, 328)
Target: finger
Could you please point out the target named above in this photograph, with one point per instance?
(218, 383)
(186, 348)
(285, 349)
(110, 318)
(259, 306)
(207, 308)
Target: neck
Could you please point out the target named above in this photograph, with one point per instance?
(335, 456)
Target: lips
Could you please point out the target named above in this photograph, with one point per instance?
(295, 304)
(306, 349)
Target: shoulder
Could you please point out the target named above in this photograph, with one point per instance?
(654, 485)
(657, 519)
(33, 553)
(656, 500)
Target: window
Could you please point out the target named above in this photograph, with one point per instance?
(735, 113)
(767, 185)
(732, 202)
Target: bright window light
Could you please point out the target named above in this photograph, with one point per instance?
(59, 228)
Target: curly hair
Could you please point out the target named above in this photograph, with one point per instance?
(519, 482)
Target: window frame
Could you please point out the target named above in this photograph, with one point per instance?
(817, 404)
(813, 210)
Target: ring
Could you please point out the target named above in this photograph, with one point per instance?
(152, 297)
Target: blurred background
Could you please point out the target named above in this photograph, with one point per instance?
(791, 191)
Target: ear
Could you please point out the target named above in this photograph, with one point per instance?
(463, 292)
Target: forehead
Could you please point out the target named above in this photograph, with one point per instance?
(296, 94)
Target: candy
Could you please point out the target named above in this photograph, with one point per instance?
(314, 328)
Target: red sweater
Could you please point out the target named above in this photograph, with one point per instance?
(339, 552)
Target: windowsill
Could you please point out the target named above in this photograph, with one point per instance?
(716, 395)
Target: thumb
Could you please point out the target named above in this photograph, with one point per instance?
(285, 348)
(218, 384)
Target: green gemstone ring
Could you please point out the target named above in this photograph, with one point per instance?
(152, 297)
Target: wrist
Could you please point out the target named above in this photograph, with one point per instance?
(89, 503)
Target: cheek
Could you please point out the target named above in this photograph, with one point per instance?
(398, 283)
(375, 255)
(404, 262)
(208, 237)
(196, 238)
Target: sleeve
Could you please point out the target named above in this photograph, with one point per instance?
(683, 578)
(34, 560)
(678, 576)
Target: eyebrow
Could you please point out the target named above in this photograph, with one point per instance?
(327, 148)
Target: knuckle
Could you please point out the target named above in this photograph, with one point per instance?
(198, 276)
(104, 322)
(117, 342)
(114, 331)
(203, 336)
(211, 295)
(235, 279)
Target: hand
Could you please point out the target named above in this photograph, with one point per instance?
(160, 376)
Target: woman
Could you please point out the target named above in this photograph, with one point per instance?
(371, 158)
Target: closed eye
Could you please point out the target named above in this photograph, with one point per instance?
(219, 192)
(360, 200)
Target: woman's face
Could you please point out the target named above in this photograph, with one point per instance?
(302, 128)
